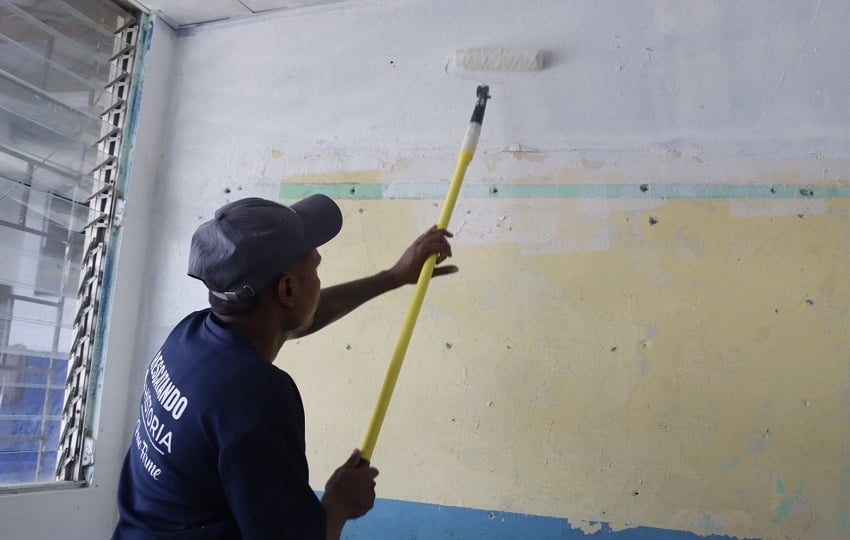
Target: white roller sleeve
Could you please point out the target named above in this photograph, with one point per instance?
(498, 59)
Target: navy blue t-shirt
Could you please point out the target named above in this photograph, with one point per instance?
(218, 450)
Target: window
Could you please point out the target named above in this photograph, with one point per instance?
(65, 76)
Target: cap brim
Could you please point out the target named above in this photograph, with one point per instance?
(321, 216)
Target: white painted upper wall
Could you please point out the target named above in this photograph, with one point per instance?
(758, 77)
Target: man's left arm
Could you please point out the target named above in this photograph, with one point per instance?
(339, 300)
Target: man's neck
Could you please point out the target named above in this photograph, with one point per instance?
(257, 330)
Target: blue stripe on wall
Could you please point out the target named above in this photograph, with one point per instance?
(546, 191)
(409, 520)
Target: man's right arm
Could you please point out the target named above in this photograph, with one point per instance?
(337, 301)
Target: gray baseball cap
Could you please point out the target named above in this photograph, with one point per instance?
(251, 241)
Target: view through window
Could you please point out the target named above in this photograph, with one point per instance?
(65, 75)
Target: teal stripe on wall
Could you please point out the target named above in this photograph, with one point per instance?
(427, 191)
(400, 519)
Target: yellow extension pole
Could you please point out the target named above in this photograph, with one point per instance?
(463, 159)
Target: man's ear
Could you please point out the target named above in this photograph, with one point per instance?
(286, 288)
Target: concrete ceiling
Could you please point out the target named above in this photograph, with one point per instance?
(179, 13)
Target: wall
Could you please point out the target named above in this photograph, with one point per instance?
(91, 512)
(649, 330)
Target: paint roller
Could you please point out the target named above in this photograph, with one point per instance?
(473, 59)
